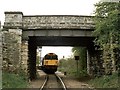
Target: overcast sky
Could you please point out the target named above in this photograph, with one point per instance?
(60, 51)
(49, 7)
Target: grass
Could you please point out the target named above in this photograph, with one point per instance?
(108, 81)
(11, 80)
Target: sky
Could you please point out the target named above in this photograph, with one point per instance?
(49, 7)
(59, 50)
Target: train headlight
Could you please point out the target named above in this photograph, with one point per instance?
(56, 62)
(46, 62)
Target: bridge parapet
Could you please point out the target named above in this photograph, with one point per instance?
(58, 22)
(18, 20)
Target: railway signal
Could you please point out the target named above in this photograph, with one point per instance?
(77, 59)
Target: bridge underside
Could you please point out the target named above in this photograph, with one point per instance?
(61, 41)
(35, 41)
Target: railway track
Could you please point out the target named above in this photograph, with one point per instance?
(53, 81)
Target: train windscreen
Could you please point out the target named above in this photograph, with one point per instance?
(48, 57)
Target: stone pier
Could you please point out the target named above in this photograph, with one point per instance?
(0, 56)
(24, 55)
(12, 37)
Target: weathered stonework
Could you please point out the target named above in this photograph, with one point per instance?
(18, 20)
(0, 42)
(12, 38)
(58, 22)
(96, 64)
(11, 49)
(13, 19)
(0, 45)
(24, 55)
(0, 56)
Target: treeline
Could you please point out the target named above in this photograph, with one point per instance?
(107, 33)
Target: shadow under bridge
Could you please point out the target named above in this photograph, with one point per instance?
(35, 41)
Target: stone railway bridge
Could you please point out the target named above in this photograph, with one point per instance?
(22, 34)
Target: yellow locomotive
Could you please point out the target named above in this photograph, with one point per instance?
(50, 63)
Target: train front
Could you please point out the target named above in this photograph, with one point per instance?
(50, 63)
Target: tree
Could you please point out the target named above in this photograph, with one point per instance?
(107, 32)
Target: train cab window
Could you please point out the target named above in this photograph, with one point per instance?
(47, 57)
(54, 57)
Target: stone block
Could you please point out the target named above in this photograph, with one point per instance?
(13, 19)
(13, 16)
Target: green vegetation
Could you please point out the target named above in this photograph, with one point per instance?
(82, 53)
(107, 33)
(109, 81)
(11, 80)
(69, 65)
(37, 60)
(82, 62)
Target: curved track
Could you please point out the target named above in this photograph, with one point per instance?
(53, 81)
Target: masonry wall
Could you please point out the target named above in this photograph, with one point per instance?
(0, 56)
(17, 19)
(11, 50)
(58, 22)
(0, 44)
(24, 55)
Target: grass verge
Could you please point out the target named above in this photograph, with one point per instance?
(11, 80)
(109, 81)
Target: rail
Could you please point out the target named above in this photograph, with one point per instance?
(44, 83)
(63, 84)
(58, 78)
